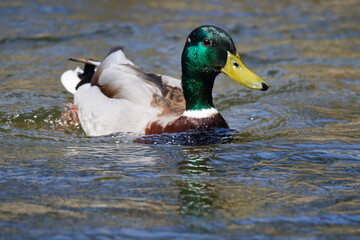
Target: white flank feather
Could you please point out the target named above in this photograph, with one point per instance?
(100, 115)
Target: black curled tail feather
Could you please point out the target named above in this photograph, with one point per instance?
(87, 75)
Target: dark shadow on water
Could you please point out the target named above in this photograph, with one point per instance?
(190, 138)
(207, 137)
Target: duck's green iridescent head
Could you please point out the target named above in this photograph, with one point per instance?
(208, 51)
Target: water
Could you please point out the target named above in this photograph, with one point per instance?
(289, 168)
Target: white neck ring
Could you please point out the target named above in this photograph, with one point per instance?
(203, 113)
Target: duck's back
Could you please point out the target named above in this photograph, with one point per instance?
(123, 98)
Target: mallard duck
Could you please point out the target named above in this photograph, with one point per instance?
(117, 96)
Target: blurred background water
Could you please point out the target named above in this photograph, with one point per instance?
(291, 167)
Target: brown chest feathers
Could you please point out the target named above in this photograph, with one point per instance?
(182, 124)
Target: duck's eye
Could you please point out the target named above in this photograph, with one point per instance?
(207, 42)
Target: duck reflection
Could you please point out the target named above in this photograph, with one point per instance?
(196, 194)
(195, 165)
(196, 198)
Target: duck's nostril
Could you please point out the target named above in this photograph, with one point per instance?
(264, 87)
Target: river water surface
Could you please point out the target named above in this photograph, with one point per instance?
(290, 167)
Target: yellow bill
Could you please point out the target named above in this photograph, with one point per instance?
(237, 70)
